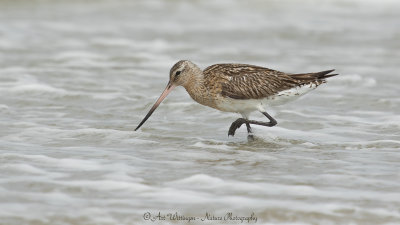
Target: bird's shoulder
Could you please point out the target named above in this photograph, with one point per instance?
(235, 69)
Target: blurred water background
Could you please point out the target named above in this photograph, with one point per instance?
(76, 77)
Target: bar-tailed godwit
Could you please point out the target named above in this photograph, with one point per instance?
(239, 88)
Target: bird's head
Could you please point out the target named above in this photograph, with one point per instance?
(181, 74)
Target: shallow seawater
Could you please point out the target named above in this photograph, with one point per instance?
(76, 77)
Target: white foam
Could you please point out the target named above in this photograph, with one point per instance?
(107, 185)
(210, 146)
(65, 163)
(4, 107)
(205, 182)
(317, 136)
(24, 168)
(200, 180)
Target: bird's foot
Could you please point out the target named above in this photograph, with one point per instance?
(250, 137)
(235, 125)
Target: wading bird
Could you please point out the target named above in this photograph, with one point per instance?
(239, 88)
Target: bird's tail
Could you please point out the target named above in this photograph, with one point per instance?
(314, 76)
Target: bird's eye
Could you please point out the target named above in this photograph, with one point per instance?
(177, 73)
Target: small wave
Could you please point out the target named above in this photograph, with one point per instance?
(107, 185)
(28, 84)
(65, 163)
(354, 80)
(68, 55)
(199, 180)
(37, 88)
(208, 146)
(20, 167)
(119, 42)
(286, 136)
(4, 107)
(8, 45)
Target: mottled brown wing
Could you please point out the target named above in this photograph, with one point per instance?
(241, 81)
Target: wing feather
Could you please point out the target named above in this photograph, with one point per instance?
(242, 81)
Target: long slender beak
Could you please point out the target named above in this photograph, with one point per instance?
(167, 90)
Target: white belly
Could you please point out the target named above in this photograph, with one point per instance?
(249, 105)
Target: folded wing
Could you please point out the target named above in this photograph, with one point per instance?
(241, 81)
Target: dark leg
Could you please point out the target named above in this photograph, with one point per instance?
(250, 136)
(235, 125)
(272, 122)
(248, 127)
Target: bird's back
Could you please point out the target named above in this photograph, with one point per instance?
(242, 81)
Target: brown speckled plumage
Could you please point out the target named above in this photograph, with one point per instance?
(239, 88)
(242, 81)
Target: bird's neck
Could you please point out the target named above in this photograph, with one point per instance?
(196, 88)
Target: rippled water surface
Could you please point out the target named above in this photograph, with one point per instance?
(76, 77)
